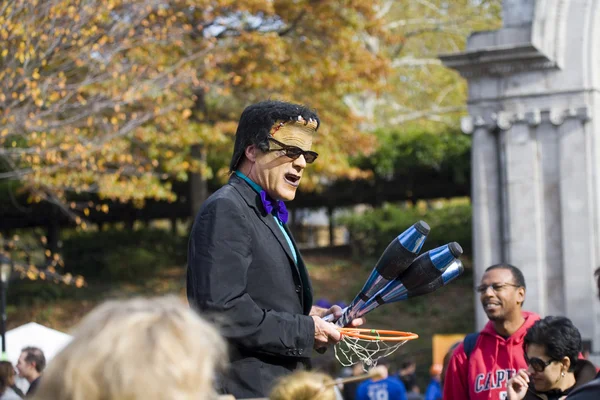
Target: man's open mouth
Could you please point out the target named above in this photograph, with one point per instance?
(491, 306)
(292, 179)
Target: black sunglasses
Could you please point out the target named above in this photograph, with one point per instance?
(537, 364)
(294, 152)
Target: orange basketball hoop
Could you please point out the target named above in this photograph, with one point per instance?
(379, 334)
(368, 345)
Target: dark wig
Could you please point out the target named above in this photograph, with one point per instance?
(256, 123)
(559, 337)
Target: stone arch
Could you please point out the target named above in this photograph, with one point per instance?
(593, 45)
(549, 28)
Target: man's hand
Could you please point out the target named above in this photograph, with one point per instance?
(516, 388)
(336, 311)
(325, 333)
(322, 312)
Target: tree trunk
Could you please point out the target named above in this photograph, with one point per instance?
(331, 226)
(198, 184)
(129, 223)
(174, 226)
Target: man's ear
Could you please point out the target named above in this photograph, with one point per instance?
(250, 153)
(566, 362)
(521, 295)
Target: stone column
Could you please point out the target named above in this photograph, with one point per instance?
(486, 200)
(548, 136)
(578, 232)
(524, 240)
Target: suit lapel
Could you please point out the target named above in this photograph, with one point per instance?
(253, 200)
(273, 225)
(303, 272)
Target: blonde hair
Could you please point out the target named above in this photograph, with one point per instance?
(304, 385)
(137, 349)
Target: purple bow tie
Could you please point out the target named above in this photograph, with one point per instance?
(269, 204)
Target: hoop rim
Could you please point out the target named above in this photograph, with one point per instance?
(384, 335)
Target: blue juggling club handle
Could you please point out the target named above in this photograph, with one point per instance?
(396, 258)
(427, 270)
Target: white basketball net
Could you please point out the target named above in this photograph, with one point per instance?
(351, 350)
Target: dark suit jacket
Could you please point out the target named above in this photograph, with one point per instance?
(33, 387)
(241, 270)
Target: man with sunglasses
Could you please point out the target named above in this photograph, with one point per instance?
(481, 366)
(244, 266)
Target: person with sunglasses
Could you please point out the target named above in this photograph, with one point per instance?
(552, 347)
(243, 264)
(480, 367)
(591, 390)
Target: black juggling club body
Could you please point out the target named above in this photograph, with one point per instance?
(396, 258)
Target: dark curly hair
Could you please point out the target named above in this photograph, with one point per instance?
(559, 337)
(256, 122)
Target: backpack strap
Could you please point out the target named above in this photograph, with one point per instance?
(469, 343)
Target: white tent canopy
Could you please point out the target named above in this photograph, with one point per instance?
(50, 341)
(32, 334)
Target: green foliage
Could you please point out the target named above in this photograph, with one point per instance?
(372, 231)
(402, 153)
(26, 292)
(129, 263)
(122, 254)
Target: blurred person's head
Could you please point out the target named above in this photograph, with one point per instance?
(381, 370)
(435, 371)
(586, 349)
(304, 385)
(408, 367)
(273, 146)
(502, 292)
(139, 349)
(552, 347)
(31, 363)
(7, 376)
(358, 369)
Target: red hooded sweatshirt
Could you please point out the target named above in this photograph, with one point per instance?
(492, 363)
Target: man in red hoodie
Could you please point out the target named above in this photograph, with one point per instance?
(496, 353)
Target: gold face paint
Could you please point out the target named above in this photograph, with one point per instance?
(294, 136)
(300, 132)
(276, 173)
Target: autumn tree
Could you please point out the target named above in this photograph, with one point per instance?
(119, 98)
(76, 84)
(113, 97)
(109, 97)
